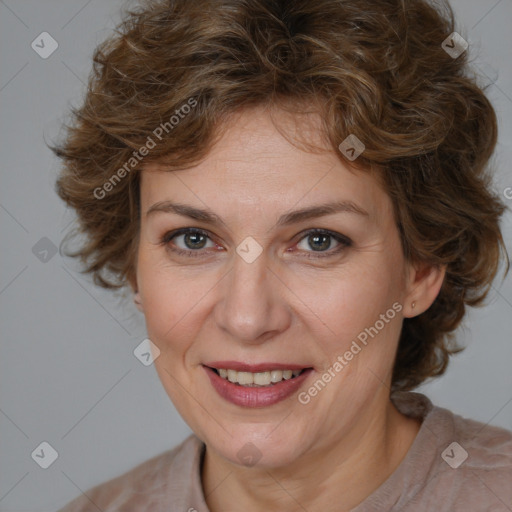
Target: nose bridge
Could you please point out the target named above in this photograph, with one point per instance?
(251, 304)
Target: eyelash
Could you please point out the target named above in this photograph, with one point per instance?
(341, 239)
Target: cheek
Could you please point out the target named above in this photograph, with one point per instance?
(164, 299)
(174, 300)
(168, 309)
(342, 304)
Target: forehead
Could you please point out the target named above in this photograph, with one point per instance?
(253, 165)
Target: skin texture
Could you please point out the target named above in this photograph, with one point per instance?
(284, 307)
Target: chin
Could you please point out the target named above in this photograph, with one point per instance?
(257, 447)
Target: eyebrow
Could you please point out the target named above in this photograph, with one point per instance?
(293, 217)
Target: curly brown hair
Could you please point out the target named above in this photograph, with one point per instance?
(374, 68)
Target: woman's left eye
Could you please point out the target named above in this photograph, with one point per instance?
(319, 240)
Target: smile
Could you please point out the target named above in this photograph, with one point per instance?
(261, 388)
(257, 379)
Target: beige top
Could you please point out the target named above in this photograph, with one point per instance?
(453, 465)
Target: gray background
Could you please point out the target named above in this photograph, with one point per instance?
(68, 373)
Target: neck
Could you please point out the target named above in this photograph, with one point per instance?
(335, 477)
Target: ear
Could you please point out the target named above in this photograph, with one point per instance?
(424, 282)
(132, 281)
(138, 301)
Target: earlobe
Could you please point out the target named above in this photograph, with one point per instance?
(138, 301)
(425, 285)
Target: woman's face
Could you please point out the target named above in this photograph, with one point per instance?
(250, 286)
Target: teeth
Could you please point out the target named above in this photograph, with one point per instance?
(262, 379)
(259, 378)
(276, 376)
(245, 378)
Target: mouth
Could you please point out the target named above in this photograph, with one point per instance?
(257, 379)
(265, 385)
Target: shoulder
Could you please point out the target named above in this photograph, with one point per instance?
(152, 484)
(474, 445)
(470, 462)
(480, 462)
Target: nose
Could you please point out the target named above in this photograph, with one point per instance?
(252, 307)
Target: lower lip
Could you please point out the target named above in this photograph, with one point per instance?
(256, 396)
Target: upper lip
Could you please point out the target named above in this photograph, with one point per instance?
(254, 368)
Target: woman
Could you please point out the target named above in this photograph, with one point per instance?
(296, 192)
